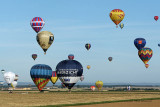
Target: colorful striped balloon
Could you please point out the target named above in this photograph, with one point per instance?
(41, 74)
(88, 46)
(145, 54)
(37, 23)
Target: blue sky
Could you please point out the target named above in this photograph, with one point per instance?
(75, 23)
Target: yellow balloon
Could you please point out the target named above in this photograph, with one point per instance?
(88, 66)
(99, 85)
(45, 39)
(54, 77)
(117, 15)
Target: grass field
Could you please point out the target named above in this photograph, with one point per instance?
(36, 98)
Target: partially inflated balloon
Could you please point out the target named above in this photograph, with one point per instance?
(37, 23)
(69, 72)
(9, 77)
(156, 18)
(117, 15)
(34, 56)
(41, 74)
(99, 85)
(110, 58)
(14, 84)
(146, 65)
(70, 56)
(88, 46)
(88, 66)
(54, 77)
(139, 43)
(82, 78)
(145, 54)
(121, 25)
(45, 39)
(92, 88)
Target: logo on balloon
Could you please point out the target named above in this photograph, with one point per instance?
(139, 42)
(67, 71)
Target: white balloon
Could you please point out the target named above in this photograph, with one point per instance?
(14, 84)
(9, 77)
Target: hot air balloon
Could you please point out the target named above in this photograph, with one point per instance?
(14, 84)
(37, 23)
(92, 88)
(121, 25)
(88, 66)
(34, 56)
(156, 18)
(146, 65)
(88, 46)
(16, 77)
(45, 39)
(99, 85)
(63, 85)
(145, 54)
(159, 45)
(117, 16)
(3, 71)
(70, 56)
(82, 78)
(139, 43)
(110, 58)
(9, 77)
(41, 74)
(54, 77)
(69, 72)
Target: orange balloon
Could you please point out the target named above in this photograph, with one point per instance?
(117, 15)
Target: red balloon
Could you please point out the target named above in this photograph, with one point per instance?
(156, 18)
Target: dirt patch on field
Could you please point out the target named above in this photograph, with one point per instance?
(20, 98)
(146, 103)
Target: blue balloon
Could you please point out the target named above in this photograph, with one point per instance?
(41, 71)
(158, 44)
(69, 72)
(139, 43)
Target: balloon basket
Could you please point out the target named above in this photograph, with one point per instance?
(117, 26)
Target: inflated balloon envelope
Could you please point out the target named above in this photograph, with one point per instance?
(41, 74)
(69, 72)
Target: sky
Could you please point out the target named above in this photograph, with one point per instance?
(75, 23)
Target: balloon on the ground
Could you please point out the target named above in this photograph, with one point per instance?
(37, 24)
(92, 88)
(69, 72)
(117, 15)
(9, 77)
(145, 54)
(88, 46)
(121, 25)
(41, 74)
(34, 56)
(45, 40)
(156, 18)
(139, 43)
(110, 58)
(16, 77)
(54, 77)
(99, 85)
(146, 65)
(14, 84)
(88, 66)
(82, 78)
(70, 56)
